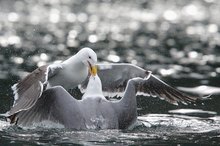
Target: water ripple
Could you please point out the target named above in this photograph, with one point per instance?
(163, 128)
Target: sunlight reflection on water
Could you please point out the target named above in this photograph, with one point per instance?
(178, 40)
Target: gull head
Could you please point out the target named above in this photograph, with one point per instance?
(89, 58)
(94, 87)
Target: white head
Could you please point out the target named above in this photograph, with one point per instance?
(94, 87)
(89, 58)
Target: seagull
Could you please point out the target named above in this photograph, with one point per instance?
(115, 76)
(67, 74)
(94, 111)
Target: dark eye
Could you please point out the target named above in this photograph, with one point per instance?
(90, 57)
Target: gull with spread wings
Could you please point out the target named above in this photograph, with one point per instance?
(68, 74)
(94, 111)
(115, 76)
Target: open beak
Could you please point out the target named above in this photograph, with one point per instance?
(92, 70)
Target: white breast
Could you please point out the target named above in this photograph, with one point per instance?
(69, 77)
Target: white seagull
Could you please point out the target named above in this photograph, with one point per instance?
(114, 77)
(68, 74)
(94, 111)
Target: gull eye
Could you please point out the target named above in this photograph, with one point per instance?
(90, 57)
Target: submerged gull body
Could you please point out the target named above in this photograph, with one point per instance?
(94, 111)
(67, 74)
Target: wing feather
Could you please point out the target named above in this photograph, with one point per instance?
(55, 105)
(28, 90)
(23, 85)
(156, 87)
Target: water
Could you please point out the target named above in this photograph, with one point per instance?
(178, 40)
(152, 129)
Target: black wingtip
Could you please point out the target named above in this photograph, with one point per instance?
(13, 119)
(147, 72)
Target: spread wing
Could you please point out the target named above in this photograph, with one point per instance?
(28, 90)
(115, 77)
(153, 86)
(55, 105)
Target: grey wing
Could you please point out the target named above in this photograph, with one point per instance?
(53, 69)
(155, 87)
(27, 91)
(55, 105)
(114, 77)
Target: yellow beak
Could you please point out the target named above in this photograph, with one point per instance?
(93, 70)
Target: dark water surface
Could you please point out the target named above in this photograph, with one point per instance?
(153, 129)
(178, 40)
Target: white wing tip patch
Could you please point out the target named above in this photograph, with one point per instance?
(143, 94)
(15, 89)
(113, 94)
(41, 88)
